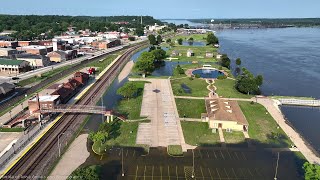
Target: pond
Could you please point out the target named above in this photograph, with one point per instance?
(207, 73)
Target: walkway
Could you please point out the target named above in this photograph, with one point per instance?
(159, 106)
(76, 155)
(221, 136)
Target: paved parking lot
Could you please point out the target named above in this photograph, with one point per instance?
(209, 163)
(7, 138)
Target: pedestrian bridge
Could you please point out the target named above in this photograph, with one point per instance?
(300, 102)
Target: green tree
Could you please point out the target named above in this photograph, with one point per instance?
(159, 54)
(212, 39)
(99, 136)
(312, 171)
(190, 41)
(88, 173)
(259, 80)
(152, 39)
(225, 61)
(238, 61)
(247, 83)
(145, 63)
(128, 90)
(159, 39)
(139, 31)
(131, 38)
(168, 41)
(180, 40)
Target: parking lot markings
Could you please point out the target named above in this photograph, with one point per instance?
(177, 172)
(235, 175)
(210, 173)
(244, 156)
(201, 172)
(242, 174)
(222, 155)
(208, 154)
(250, 172)
(226, 172)
(218, 173)
(152, 171)
(136, 172)
(229, 154)
(127, 153)
(134, 152)
(259, 174)
(237, 155)
(161, 172)
(169, 172)
(144, 172)
(214, 154)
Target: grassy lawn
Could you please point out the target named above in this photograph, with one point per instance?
(127, 134)
(262, 126)
(196, 37)
(132, 107)
(225, 88)
(200, 53)
(175, 150)
(191, 108)
(199, 134)
(234, 137)
(11, 129)
(101, 65)
(198, 87)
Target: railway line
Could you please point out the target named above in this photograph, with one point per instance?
(35, 163)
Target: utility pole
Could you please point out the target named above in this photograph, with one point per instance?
(122, 163)
(275, 175)
(192, 176)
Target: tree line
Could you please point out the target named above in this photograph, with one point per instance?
(31, 27)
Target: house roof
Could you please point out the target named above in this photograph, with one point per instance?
(225, 110)
(6, 87)
(30, 56)
(10, 62)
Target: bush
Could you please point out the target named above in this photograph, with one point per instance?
(222, 77)
(132, 38)
(220, 68)
(190, 78)
(197, 76)
(179, 70)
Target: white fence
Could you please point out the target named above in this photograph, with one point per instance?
(300, 102)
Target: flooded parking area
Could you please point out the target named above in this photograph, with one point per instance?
(206, 163)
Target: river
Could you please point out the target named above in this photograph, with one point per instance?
(289, 60)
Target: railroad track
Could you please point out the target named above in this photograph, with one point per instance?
(30, 165)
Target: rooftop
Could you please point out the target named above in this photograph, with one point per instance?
(34, 47)
(10, 62)
(225, 110)
(46, 98)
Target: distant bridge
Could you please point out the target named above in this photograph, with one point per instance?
(300, 102)
(65, 108)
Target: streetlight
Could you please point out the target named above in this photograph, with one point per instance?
(122, 163)
(59, 146)
(275, 175)
(192, 176)
(10, 115)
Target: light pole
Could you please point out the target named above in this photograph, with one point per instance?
(59, 144)
(102, 117)
(10, 115)
(122, 163)
(14, 151)
(275, 175)
(192, 176)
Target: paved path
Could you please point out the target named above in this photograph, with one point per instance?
(159, 106)
(76, 155)
(188, 97)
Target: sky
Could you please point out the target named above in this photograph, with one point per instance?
(167, 9)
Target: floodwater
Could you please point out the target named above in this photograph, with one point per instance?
(289, 60)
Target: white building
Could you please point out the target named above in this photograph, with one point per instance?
(156, 27)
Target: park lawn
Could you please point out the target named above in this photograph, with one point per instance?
(200, 53)
(175, 150)
(226, 88)
(11, 129)
(199, 134)
(190, 108)
(196, 37)
(132, 107)
(262, 125)
(198, 87)
(234, 137)
(126, 138)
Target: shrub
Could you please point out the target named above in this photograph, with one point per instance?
(197, 76)
(222, 77)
